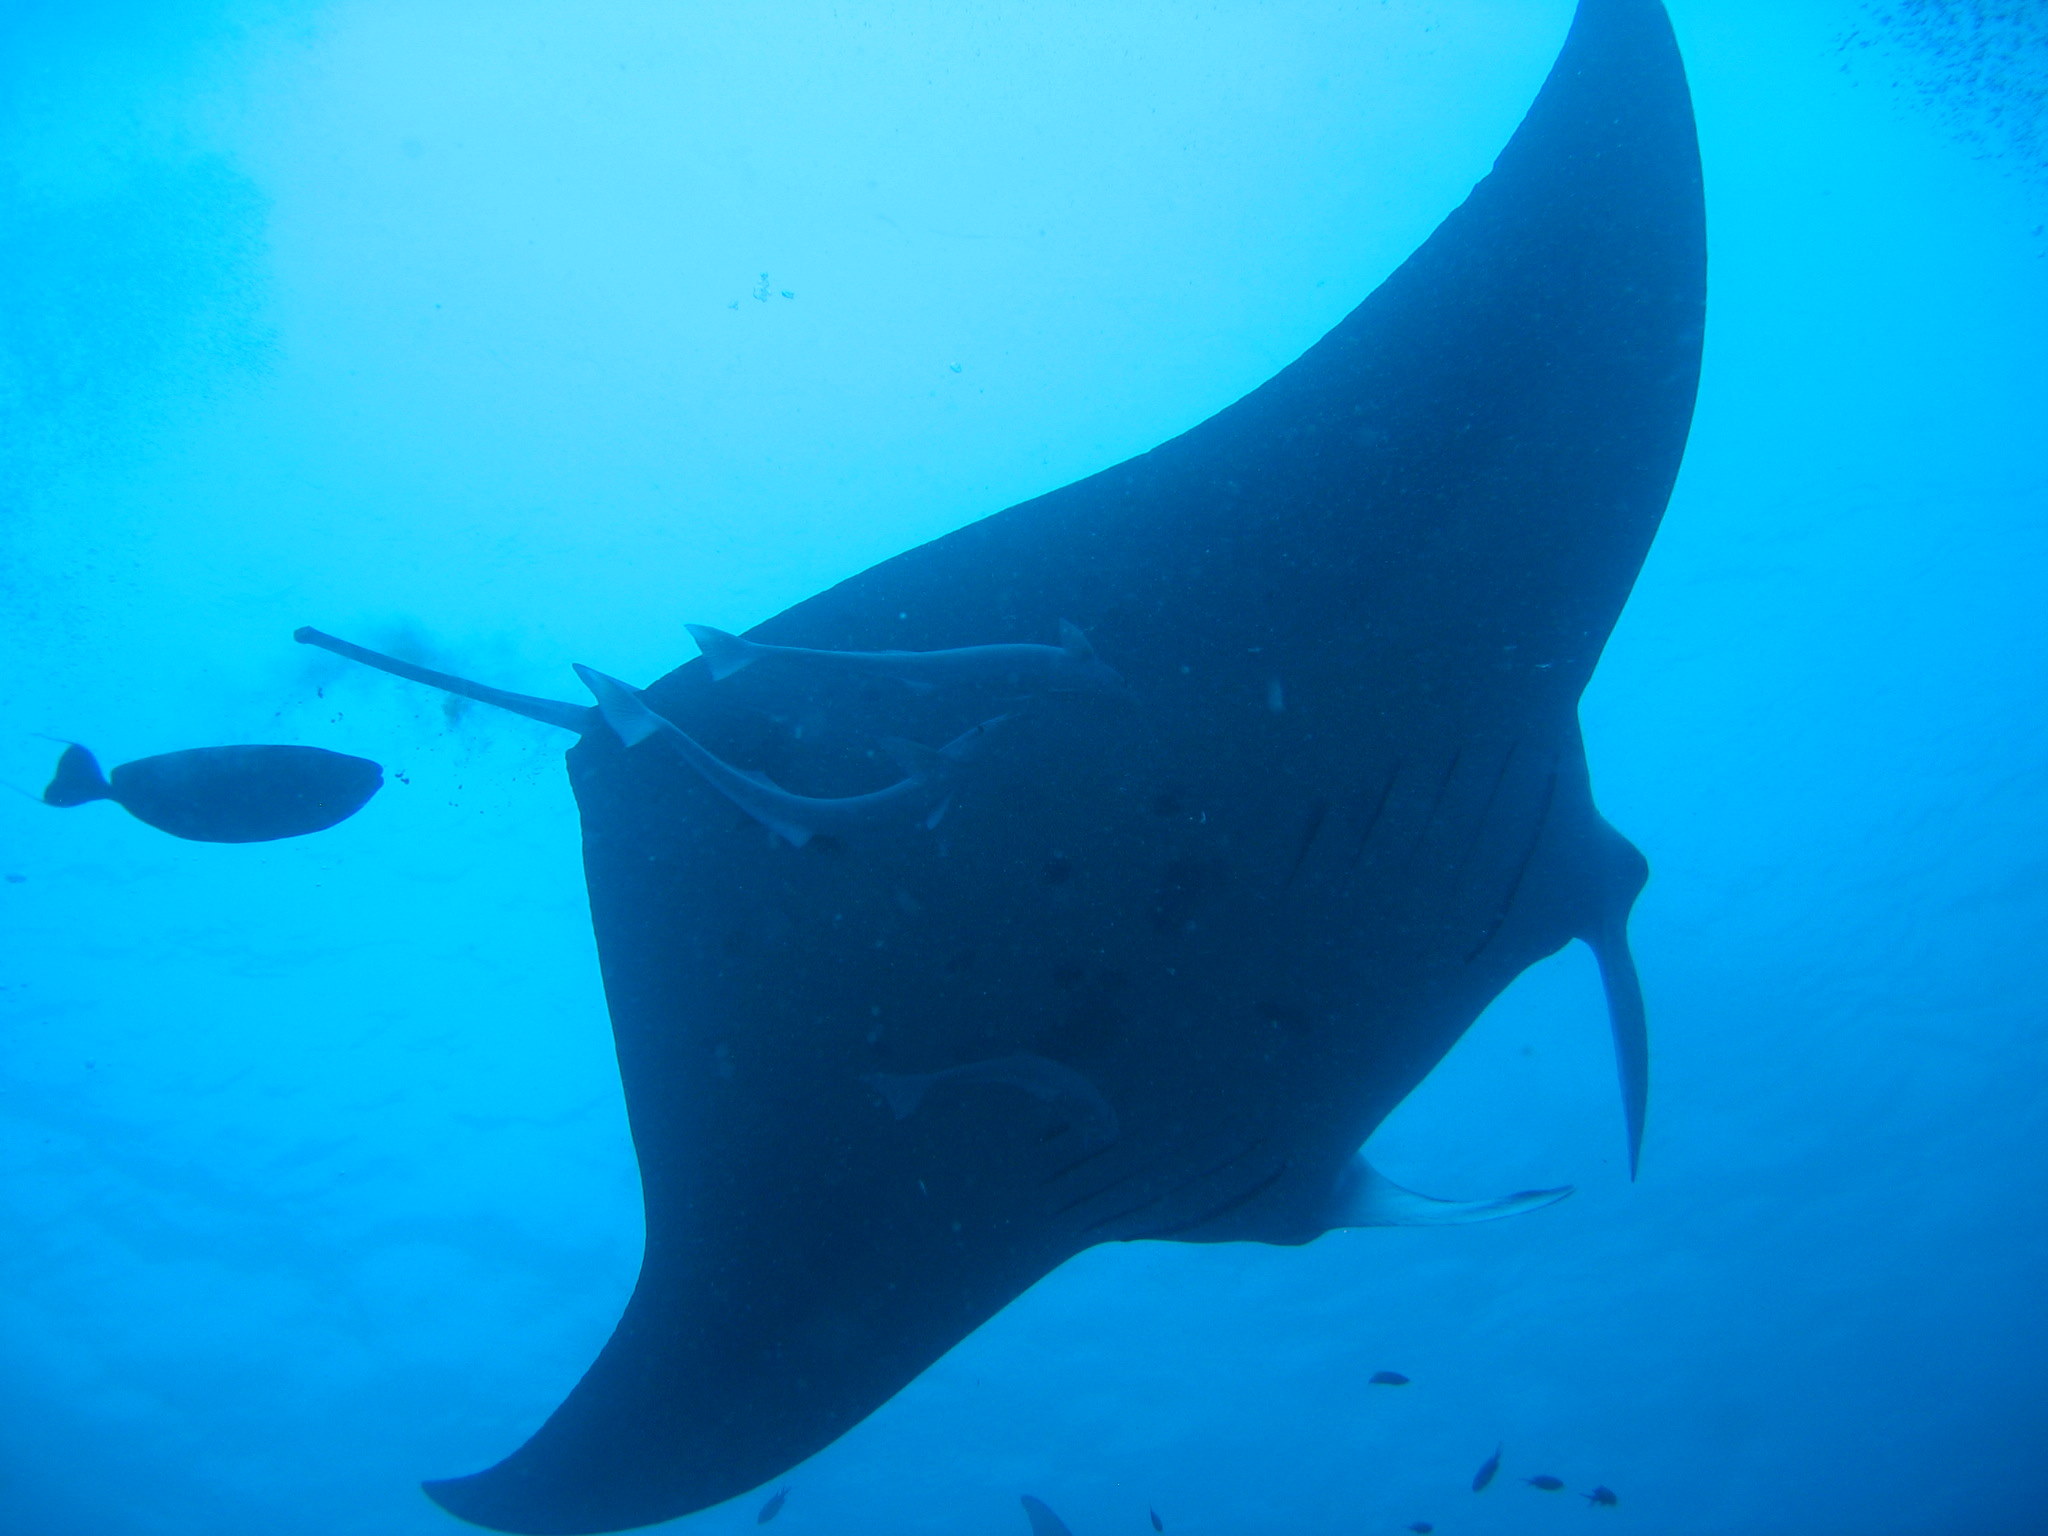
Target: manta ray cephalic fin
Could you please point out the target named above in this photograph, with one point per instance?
(1624, 873)
(1625, 1015)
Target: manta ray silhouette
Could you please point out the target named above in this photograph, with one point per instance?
(1176, 947)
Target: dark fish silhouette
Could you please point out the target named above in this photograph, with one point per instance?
(1487, 1469)
(1043, 1521)
(1344, 805)
(1157, 1523)
(1388, 1379)
(1604, 1497)
(225, 794)
(1422, 1528)
(773, 1507)
(1546, 1482)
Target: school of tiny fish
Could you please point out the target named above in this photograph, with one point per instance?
(1043, 1522)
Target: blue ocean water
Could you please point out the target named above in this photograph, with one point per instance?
(505, 336)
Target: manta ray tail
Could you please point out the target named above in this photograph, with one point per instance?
(78, 779)
(570, 717)
(724, 654)
(1365, 1197)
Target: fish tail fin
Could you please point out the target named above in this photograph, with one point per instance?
(914, 757)
(794, 833)
(931, 763)
(902, 1092)
(1607, 936)
(1074, 642)
(622, 707)
(724, 654)
(78, 779)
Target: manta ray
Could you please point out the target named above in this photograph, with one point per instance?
(1278, 782)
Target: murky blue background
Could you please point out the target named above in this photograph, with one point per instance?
(444, 326)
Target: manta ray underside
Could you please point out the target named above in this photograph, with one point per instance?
(1166, 952)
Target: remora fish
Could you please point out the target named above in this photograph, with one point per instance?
(921, 795)
(1047, 1081)
(246, 794)
(1365, 1197)
(1069, 667)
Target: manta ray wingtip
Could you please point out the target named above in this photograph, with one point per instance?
(459, 1497)
(1043, 1521)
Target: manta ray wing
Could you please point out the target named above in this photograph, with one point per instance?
(1252, 905)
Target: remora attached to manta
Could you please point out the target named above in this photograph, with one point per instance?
(1355, 612)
